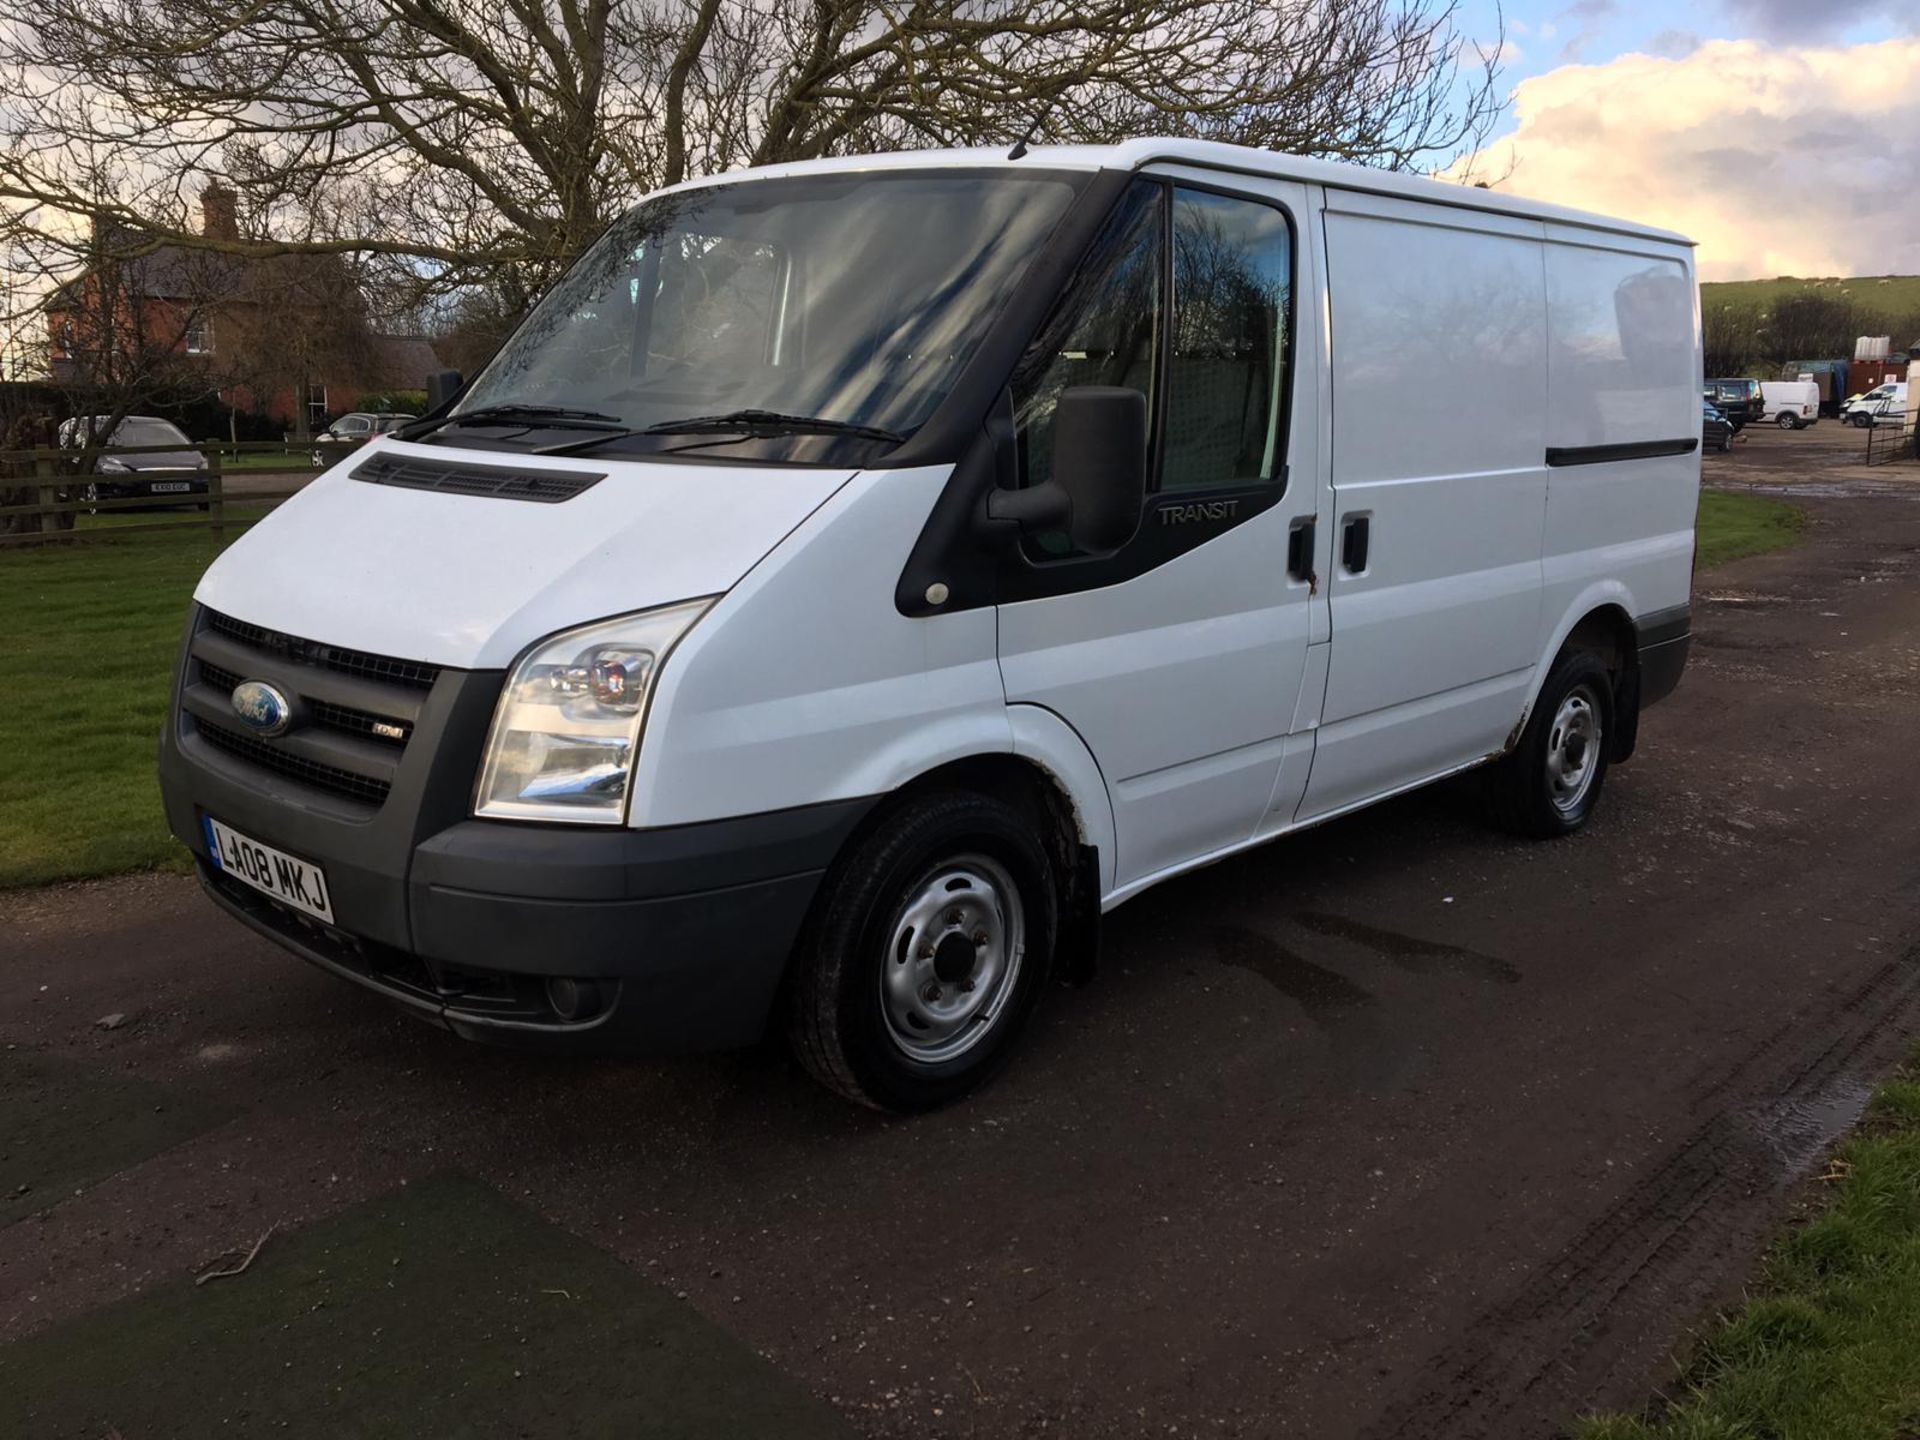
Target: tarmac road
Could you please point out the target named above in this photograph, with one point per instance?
(1397, 1128)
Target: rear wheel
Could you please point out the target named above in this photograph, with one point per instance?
(1550, 782)
(1786, 421)
(929, 948)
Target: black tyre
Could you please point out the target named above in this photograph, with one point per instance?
(1786, 421)
(1860, 420)
(1726, 444)
(926, 953)
(1551, 781)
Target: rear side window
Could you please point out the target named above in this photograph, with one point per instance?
(1226, 375)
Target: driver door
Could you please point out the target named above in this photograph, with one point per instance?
(1178, 656)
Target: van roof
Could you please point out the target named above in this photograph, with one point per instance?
(1210, 154)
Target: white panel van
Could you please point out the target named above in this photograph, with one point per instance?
(1791, 404)
(854, 578)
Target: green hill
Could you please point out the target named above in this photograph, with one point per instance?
(1897, 297)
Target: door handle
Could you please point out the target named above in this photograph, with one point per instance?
(1356, 537)
(1300, 550)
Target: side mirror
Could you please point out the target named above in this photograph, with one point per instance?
(1100, 460)
(442, 387)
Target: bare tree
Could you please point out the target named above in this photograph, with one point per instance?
(457, 143)
(132, 328)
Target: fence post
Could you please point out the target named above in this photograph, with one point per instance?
(49, 493)
(216, 498)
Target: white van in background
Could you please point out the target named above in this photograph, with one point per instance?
(857, 576)
(1883, 405)
(1791, 404)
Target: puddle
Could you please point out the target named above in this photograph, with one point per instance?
(1796, 1132)
(1410, 952)
(1731, 597)
(1316, 988)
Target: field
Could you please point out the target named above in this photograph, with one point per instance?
(1895, 296)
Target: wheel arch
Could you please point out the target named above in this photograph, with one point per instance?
(1599, 621)
(1052, 777)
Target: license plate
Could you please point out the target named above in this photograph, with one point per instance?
(170, 487)
(286, 878)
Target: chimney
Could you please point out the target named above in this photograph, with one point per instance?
(219, 213)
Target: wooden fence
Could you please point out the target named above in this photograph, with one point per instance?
(56, 481)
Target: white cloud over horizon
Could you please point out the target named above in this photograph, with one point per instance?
(1777, 160)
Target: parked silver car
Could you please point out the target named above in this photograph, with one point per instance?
(355, 428)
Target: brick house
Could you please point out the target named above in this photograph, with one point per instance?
(285, 337)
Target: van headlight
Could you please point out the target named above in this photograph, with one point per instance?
(567, 728)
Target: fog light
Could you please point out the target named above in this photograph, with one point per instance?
(573, 999)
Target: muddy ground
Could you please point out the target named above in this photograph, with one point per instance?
(1396, 1128)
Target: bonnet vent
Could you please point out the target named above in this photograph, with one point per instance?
(499, 482)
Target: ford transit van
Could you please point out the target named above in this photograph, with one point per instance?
(855, 578)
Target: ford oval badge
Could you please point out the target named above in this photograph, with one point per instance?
(262, 708)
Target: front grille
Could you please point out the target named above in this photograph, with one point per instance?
(329, 778)
(360, 722)
(498, 482)
(344, 718)
(413, 673)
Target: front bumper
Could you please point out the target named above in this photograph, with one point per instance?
(682, 933)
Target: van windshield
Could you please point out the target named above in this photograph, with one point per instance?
(849, 298)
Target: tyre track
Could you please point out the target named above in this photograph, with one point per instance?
(1537, 1356)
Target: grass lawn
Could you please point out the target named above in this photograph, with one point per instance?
(91, 635)
(1734, 526)
(267, 460)
(1828, 1347)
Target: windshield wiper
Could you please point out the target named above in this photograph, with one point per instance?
(747, 422)
(555, 415)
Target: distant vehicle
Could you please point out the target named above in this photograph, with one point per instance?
(1738, 400)
(357, 427)
(1791, 404)
(174, 473)
(1882, 405)
(1716, 430)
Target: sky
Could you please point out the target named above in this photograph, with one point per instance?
(1782, 135)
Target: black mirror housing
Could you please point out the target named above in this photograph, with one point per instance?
(1100, 460)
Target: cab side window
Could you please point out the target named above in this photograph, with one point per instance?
(1227, 370)
(1106, 331)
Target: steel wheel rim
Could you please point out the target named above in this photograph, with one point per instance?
(1573, 749)
(953, 959)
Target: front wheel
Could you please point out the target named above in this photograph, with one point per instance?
(1861, 420)
(931, 942)
(1549, 783)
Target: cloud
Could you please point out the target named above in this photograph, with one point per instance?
(1674, 44)
(1778, 161)
(1797, 20)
